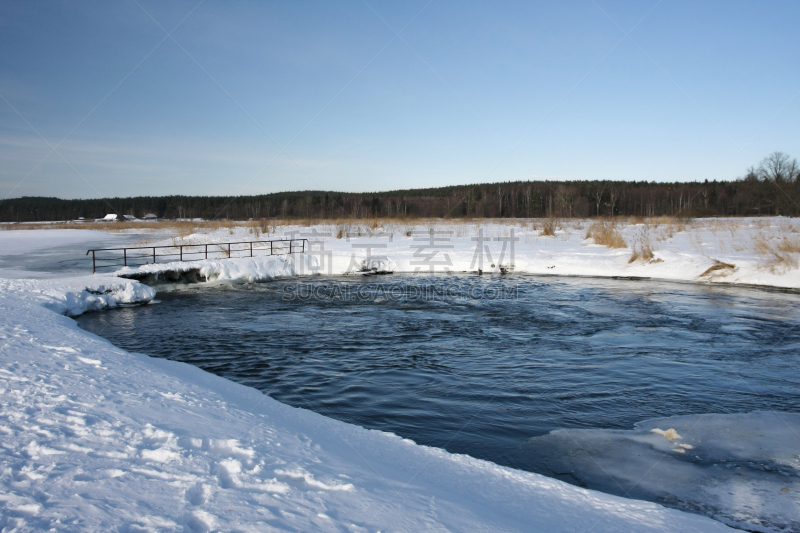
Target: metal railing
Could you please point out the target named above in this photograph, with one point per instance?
(145, 255)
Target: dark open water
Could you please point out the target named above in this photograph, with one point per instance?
(482, 376)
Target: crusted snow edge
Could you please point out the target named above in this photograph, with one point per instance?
(75, 296)
(268, 268)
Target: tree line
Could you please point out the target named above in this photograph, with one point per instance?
(771, 188)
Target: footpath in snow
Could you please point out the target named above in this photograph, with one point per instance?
(93, 438)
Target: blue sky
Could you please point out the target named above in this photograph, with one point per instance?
(257, 97)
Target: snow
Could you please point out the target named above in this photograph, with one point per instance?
(682, 252)
(97, 439)
(18, 242)
(249, 269)
(76, 296)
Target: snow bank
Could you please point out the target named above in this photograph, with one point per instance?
(251, 269)
(708, 251)
(75, 296)
(743, 469)
(377, 266)
(97, 439)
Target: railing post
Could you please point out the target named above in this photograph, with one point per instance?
(229, 250)
(94, 265)
(154, 255)
(206, 251)
(125, 256)
(181, 252)
(270, 248)
(251, 248)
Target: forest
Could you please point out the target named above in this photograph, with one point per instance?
(771, 188)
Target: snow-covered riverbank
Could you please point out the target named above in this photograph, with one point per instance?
(757, 251)
(95, 438)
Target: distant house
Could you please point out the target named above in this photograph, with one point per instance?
(117, 218)
(150, 216)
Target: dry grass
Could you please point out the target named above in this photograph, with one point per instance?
(342, 230)
(643, 249)
(644, 254)
(717, 266)
(605, 233)
(725, 225)
(667, 227)
(664, 221)
(779, 252)
(549, 227)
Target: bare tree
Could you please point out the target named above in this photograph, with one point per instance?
(778, 168)
(598, 197)
(613, 198)
(527, 195)
(563, 199)
(500, 194)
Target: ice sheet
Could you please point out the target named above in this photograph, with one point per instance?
(743, 469)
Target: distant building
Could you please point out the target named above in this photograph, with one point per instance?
(117, 218)
(150, 216)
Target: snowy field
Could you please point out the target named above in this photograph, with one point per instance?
(97, 439)
(757, 251)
